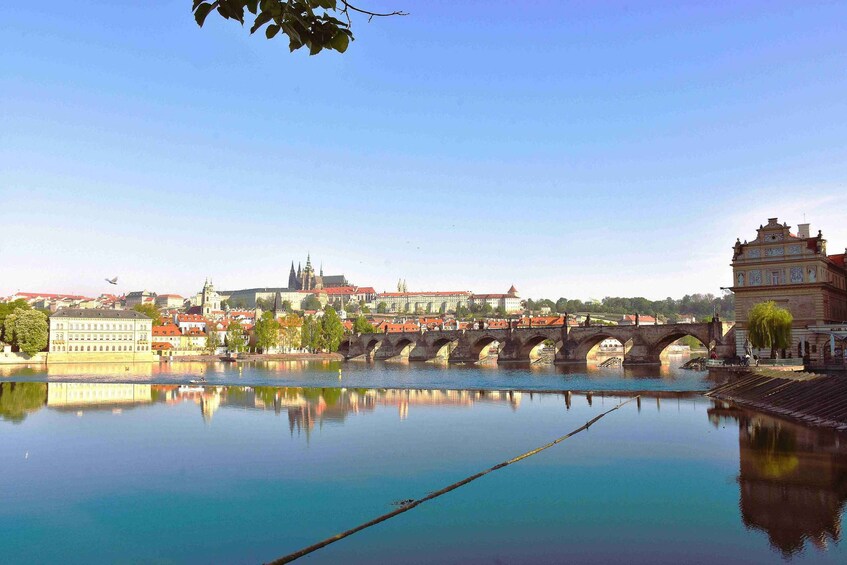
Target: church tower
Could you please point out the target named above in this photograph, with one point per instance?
(211, 300)
(292, 278)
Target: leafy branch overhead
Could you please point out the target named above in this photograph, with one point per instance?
(308, 23)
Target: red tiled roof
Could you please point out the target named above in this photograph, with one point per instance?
(422, 293)
(166, 330)
(838, 259)
(641, 318)
(53, 296)
(159, 345)
(191, 318)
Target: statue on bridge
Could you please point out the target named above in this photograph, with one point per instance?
(588, 320)
(637, 321)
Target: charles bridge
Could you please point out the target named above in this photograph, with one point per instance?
(643, 344)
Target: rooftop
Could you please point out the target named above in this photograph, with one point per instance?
(91, 313)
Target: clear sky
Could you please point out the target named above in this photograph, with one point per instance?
(575, 149)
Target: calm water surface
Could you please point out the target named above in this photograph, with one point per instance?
(381, 375)
(105, 473)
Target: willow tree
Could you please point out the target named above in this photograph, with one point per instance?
(769, 326)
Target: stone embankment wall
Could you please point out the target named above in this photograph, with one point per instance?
(817, 400)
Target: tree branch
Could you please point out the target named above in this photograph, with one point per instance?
(371, 15)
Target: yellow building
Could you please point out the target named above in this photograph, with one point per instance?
(90, 335)
(794, 271)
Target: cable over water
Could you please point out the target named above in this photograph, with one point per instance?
(408, 505)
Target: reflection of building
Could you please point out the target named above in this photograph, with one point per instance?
(99, 335)
(73, 395)
(794, 271)
(793, 480)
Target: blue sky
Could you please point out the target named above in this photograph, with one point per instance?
(574, 149)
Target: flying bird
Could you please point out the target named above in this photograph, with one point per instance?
(112, 281)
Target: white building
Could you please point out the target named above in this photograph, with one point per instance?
(510, 302)
(85, 335)
(423, 302)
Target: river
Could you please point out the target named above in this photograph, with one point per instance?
(122, 470)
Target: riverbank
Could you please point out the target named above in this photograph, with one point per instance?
(816, 400)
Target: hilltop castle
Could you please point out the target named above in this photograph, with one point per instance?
(304, 278)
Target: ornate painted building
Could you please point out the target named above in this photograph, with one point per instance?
(794, 271)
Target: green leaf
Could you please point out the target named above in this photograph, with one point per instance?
(340, 42)
(271, 31)
(315, 48)
(261, 20)
(201, 12)
(252, 5)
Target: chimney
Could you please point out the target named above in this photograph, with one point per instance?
(803, 231)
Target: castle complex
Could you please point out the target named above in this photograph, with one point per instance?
(306, 279)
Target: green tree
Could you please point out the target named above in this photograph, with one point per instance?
(362, 326)
(769, 326)
(310, 333)
(7, 308)
(382, 308)
(332, 330)
(286, 306)
(150, 311)
(17, 399)
(309, 23)
(212, 339)
(267, 332)
(311, 303)
(235, 336)
(291, 326)
(26, 330)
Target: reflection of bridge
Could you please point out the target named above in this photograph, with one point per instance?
(642, 344)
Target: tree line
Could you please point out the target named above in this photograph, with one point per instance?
(701, 306)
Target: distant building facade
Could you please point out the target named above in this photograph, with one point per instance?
(510, 302)
(423, 302)
(137, 297)
(89, 335)
(169, 301)
(794, 271)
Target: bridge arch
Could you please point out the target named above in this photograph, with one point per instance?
(530, 348)
(588, 346)
(481, 346)
(401, 348)
(659, 349)
(442, 347)
(344, 348)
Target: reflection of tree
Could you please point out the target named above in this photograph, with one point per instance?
(773, 449)
(16, 399)
(793, 479)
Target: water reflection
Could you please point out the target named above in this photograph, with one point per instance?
(580, 377)
(793, 479)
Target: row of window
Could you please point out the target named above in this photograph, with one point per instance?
(796, 275)
(104, 326)
(103, 348)
(100, 337)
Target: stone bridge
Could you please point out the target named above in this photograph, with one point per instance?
(642, 344)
